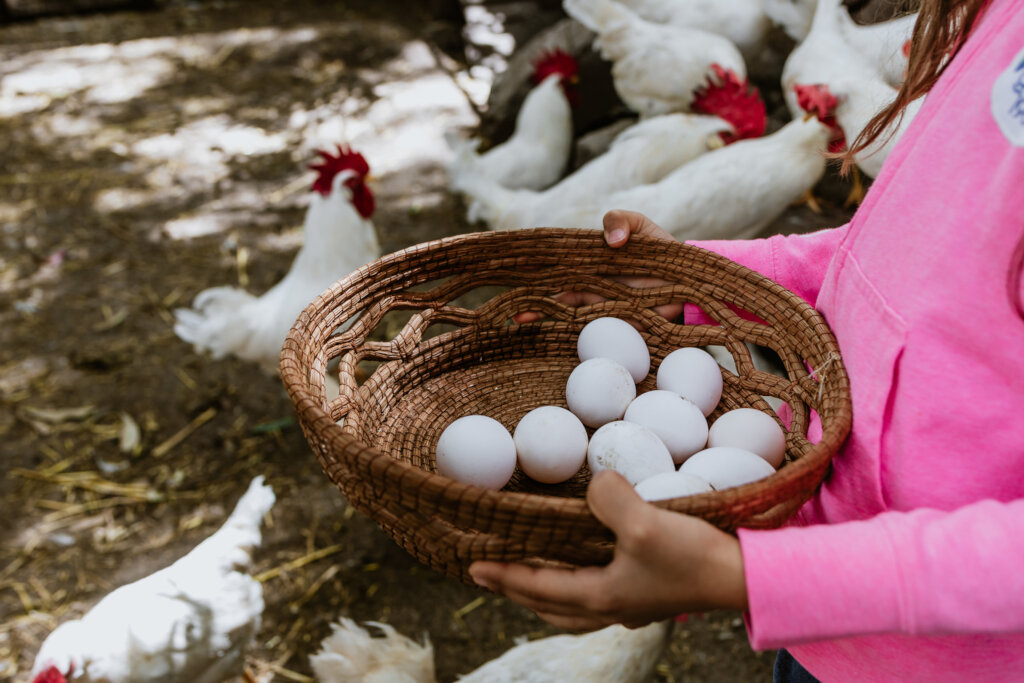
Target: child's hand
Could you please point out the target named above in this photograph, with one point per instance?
(665, 564)
(618, 226)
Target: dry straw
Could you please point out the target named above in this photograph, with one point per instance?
(458, 353)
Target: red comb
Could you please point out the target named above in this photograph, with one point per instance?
(735, 101)
(51, 675)
(906, 49)
(555, 62)
(346, 160)
(818, 100)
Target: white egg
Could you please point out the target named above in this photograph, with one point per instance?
(671, 485)
(724, 467)
(551, 444)
(751, 430)
(692, 373)
(477, 450)
(632, 450)
(616, 339)
(599, 390)
(677, 421)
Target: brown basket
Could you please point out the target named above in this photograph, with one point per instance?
(459, 354)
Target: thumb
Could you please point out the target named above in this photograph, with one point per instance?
(620, 224)
(614, 501)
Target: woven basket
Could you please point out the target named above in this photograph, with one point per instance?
(458, 354)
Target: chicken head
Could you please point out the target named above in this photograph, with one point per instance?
(346, 160)
(729, 97)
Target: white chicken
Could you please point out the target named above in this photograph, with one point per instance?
(642, 154)
(614, 654)
(338, 237)
(824, 55)
(656, 67)
(536, 154)
(190, 622)
(885, 45)
(744, 22)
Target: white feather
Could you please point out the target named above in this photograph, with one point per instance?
(351, 654)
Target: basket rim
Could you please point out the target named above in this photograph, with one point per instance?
(431, 485)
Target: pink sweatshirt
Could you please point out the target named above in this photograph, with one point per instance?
(919, 529)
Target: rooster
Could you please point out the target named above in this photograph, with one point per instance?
(614, 654)
(190, 622)
(656, 67)
(536, 154)
(642, 154)
(338, 237)
(743, 22)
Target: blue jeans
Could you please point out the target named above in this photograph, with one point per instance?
(788, 670)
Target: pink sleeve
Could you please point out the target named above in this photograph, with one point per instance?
(924, 572)
(797, 262)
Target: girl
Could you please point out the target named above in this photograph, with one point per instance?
(907, 563)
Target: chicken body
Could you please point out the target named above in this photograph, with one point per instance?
(230, 321)
(743, 22)
(536, 154)
(190, 622)
(656, 67)
(643, 153)
(612, 655)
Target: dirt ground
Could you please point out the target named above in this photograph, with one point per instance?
(146, 156)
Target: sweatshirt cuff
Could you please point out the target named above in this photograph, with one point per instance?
(820, 582)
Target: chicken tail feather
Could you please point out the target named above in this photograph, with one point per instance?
(350, 653)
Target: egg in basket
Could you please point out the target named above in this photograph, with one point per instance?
(460, 353)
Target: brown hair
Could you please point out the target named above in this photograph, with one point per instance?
(939, 32)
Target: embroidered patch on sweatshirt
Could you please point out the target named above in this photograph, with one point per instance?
(1008, 101)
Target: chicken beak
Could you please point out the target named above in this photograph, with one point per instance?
(808, 116)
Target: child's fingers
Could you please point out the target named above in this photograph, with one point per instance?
(620, 224)
(567, 298)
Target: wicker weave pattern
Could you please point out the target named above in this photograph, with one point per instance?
(382, 459)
